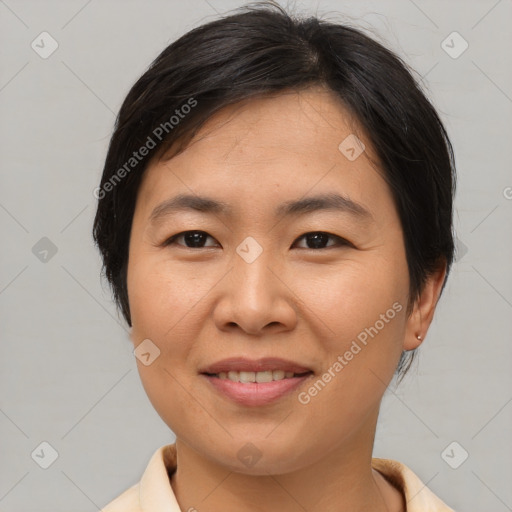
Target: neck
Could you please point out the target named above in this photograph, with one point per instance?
(342, 481)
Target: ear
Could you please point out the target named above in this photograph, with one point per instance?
(424, 308)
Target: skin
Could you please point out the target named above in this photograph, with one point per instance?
(205, 303)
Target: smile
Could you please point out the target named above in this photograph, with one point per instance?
(259, 377)
(243, 389)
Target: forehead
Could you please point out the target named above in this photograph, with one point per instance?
(289, 120)
(290, 142)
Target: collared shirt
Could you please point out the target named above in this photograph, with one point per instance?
(154, 493)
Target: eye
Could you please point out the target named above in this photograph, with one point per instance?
(318, 239)
(194, 238)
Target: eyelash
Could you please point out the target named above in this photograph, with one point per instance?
(341, 241)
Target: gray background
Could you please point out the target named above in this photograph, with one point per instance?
(67, 372)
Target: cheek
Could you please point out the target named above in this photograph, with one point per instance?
(167, 304)
(162, 309)
(162, 298)
(359, 312)
(352, 296)
(159, 313)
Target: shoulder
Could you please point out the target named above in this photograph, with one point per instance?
(128, 501)
(153, 491)
(418, 497)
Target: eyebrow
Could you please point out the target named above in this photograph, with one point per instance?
(330, 201)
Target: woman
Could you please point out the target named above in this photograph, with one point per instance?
(275, 219)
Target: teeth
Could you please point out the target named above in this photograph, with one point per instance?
(278, 374)
(247, 377)
(266, 376)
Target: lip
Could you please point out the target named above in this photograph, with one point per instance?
(255, 393)
(243, 364)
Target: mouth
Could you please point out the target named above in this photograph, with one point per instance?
(255, 382)
(246, 377)
(263, 368)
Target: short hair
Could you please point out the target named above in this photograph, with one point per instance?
(261, 50)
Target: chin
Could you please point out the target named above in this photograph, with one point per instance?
(255, 456)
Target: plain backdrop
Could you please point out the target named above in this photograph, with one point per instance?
(68, 376)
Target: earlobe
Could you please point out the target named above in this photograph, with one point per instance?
(424, 308)
(411, 343)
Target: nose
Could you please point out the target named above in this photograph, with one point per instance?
(255, 295)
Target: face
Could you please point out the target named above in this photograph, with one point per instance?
(320, 285)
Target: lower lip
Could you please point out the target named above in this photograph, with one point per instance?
(256, 393)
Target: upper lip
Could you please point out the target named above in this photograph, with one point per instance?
(243, 364)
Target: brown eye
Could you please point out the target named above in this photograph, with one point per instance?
(192, 239)
(319, 239)
(314, 240)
